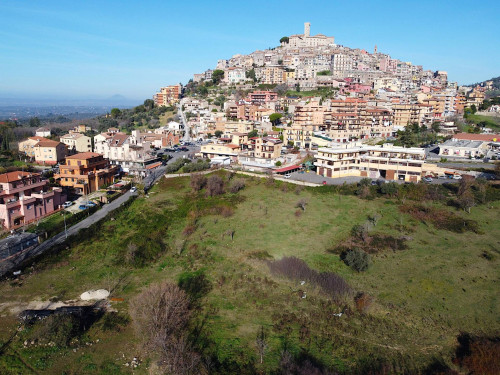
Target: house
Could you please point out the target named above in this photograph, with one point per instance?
(77, 142)
(43, 150)
(86, 172)
(133, 153)
(50, 152)
(212, 150)
(42, 132)
(26, 197)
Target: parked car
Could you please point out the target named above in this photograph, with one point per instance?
(288, 175)
(133, 189)
(457, 177)
(110, 192)
(91, 204)
(82, 207)
(67, 204)
(427, 179)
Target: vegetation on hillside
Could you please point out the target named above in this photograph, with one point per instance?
(257, 266)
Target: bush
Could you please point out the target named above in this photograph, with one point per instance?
(237, 185)
(215, 186)
(56, 328)
(176, 165)
(480, 355)
(298, 270)
(198, 182)
(357, 259)
(200, 165)
(362, 301)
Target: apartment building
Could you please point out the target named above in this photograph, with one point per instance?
(26, 197)
(261, 97)
(220, 149)
(133, 153)
(86, 172)
(299, 135)
(168, 95)
(77, 142)
(386, 161)
(48, 152)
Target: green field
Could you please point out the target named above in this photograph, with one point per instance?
(488, 121)
(444, 282)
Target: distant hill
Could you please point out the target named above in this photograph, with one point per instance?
(496, 83)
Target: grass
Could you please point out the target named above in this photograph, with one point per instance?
(488, 121)
(424, 296)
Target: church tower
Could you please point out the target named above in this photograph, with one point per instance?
(375, 49)
(307, 29)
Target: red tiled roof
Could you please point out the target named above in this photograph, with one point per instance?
(286, 169)
(83, 155)
(48, 143)
(477, 137)
(153, 165)
(15, 176)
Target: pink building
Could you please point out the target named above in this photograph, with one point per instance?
(262, 96)
(25, 197)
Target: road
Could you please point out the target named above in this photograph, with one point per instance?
(187, 136)
(61, 237)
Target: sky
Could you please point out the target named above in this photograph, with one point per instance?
(97, 49)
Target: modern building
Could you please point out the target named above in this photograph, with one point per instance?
(168, 95)
(49, 152)
(26, 197)
(386, 161)
(86, 172)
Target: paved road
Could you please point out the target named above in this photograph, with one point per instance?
(187, 136)
(61, 237)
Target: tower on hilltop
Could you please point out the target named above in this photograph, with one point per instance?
(307, 29)
(375, 49)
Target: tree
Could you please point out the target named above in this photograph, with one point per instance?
(324, 73)
(161, 315)
(217, 76)
(285, 39)
(436, 126)
(252, 133)
(218, 133)
(465, 195)
(473, 108)
(278, 164)
(275, 118)
(34, 122)
(149, 104)
(115, 112)
(251, 74)
(215, 186)
(358, 260)
(261, 343)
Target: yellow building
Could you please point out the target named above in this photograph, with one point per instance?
(77, 142)
(212, 150)
(49, 152)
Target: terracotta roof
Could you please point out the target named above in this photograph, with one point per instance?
(118, 139)
(477, 137)
(72, 135)
(233, 146)
(83, 156)
(38, 139)
(15, 176)
(48, 143)
(286, 169)
(153, 165)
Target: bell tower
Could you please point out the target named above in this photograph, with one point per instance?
(307, 29)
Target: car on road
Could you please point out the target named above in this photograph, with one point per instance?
(287, 175)
(67, 204)
(133, 189)
(427, 179)
(457, 177)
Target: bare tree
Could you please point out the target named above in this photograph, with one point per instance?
(161, 314)
(215, 186)
(198, 182)
(261, 343)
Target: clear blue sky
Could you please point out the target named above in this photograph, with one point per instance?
(132, 48)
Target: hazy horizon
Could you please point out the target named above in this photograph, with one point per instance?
(59, 51)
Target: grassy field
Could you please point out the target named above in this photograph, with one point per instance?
(488, 121)
(442, 284)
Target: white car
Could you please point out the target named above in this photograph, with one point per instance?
(457, 177)
(133, 189)
(67, 204)
(288, 176)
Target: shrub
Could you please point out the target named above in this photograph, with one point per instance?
(56, 328)
(296, 269)
(298, 213)
(299, 189)
(237, 185)
(215, 186)
(302, 204)
(198, 182)
(390, 189)
(195, 284)
(362, 301)
(176, 165)
(480, 355)
(200, 165)
(357, 259)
